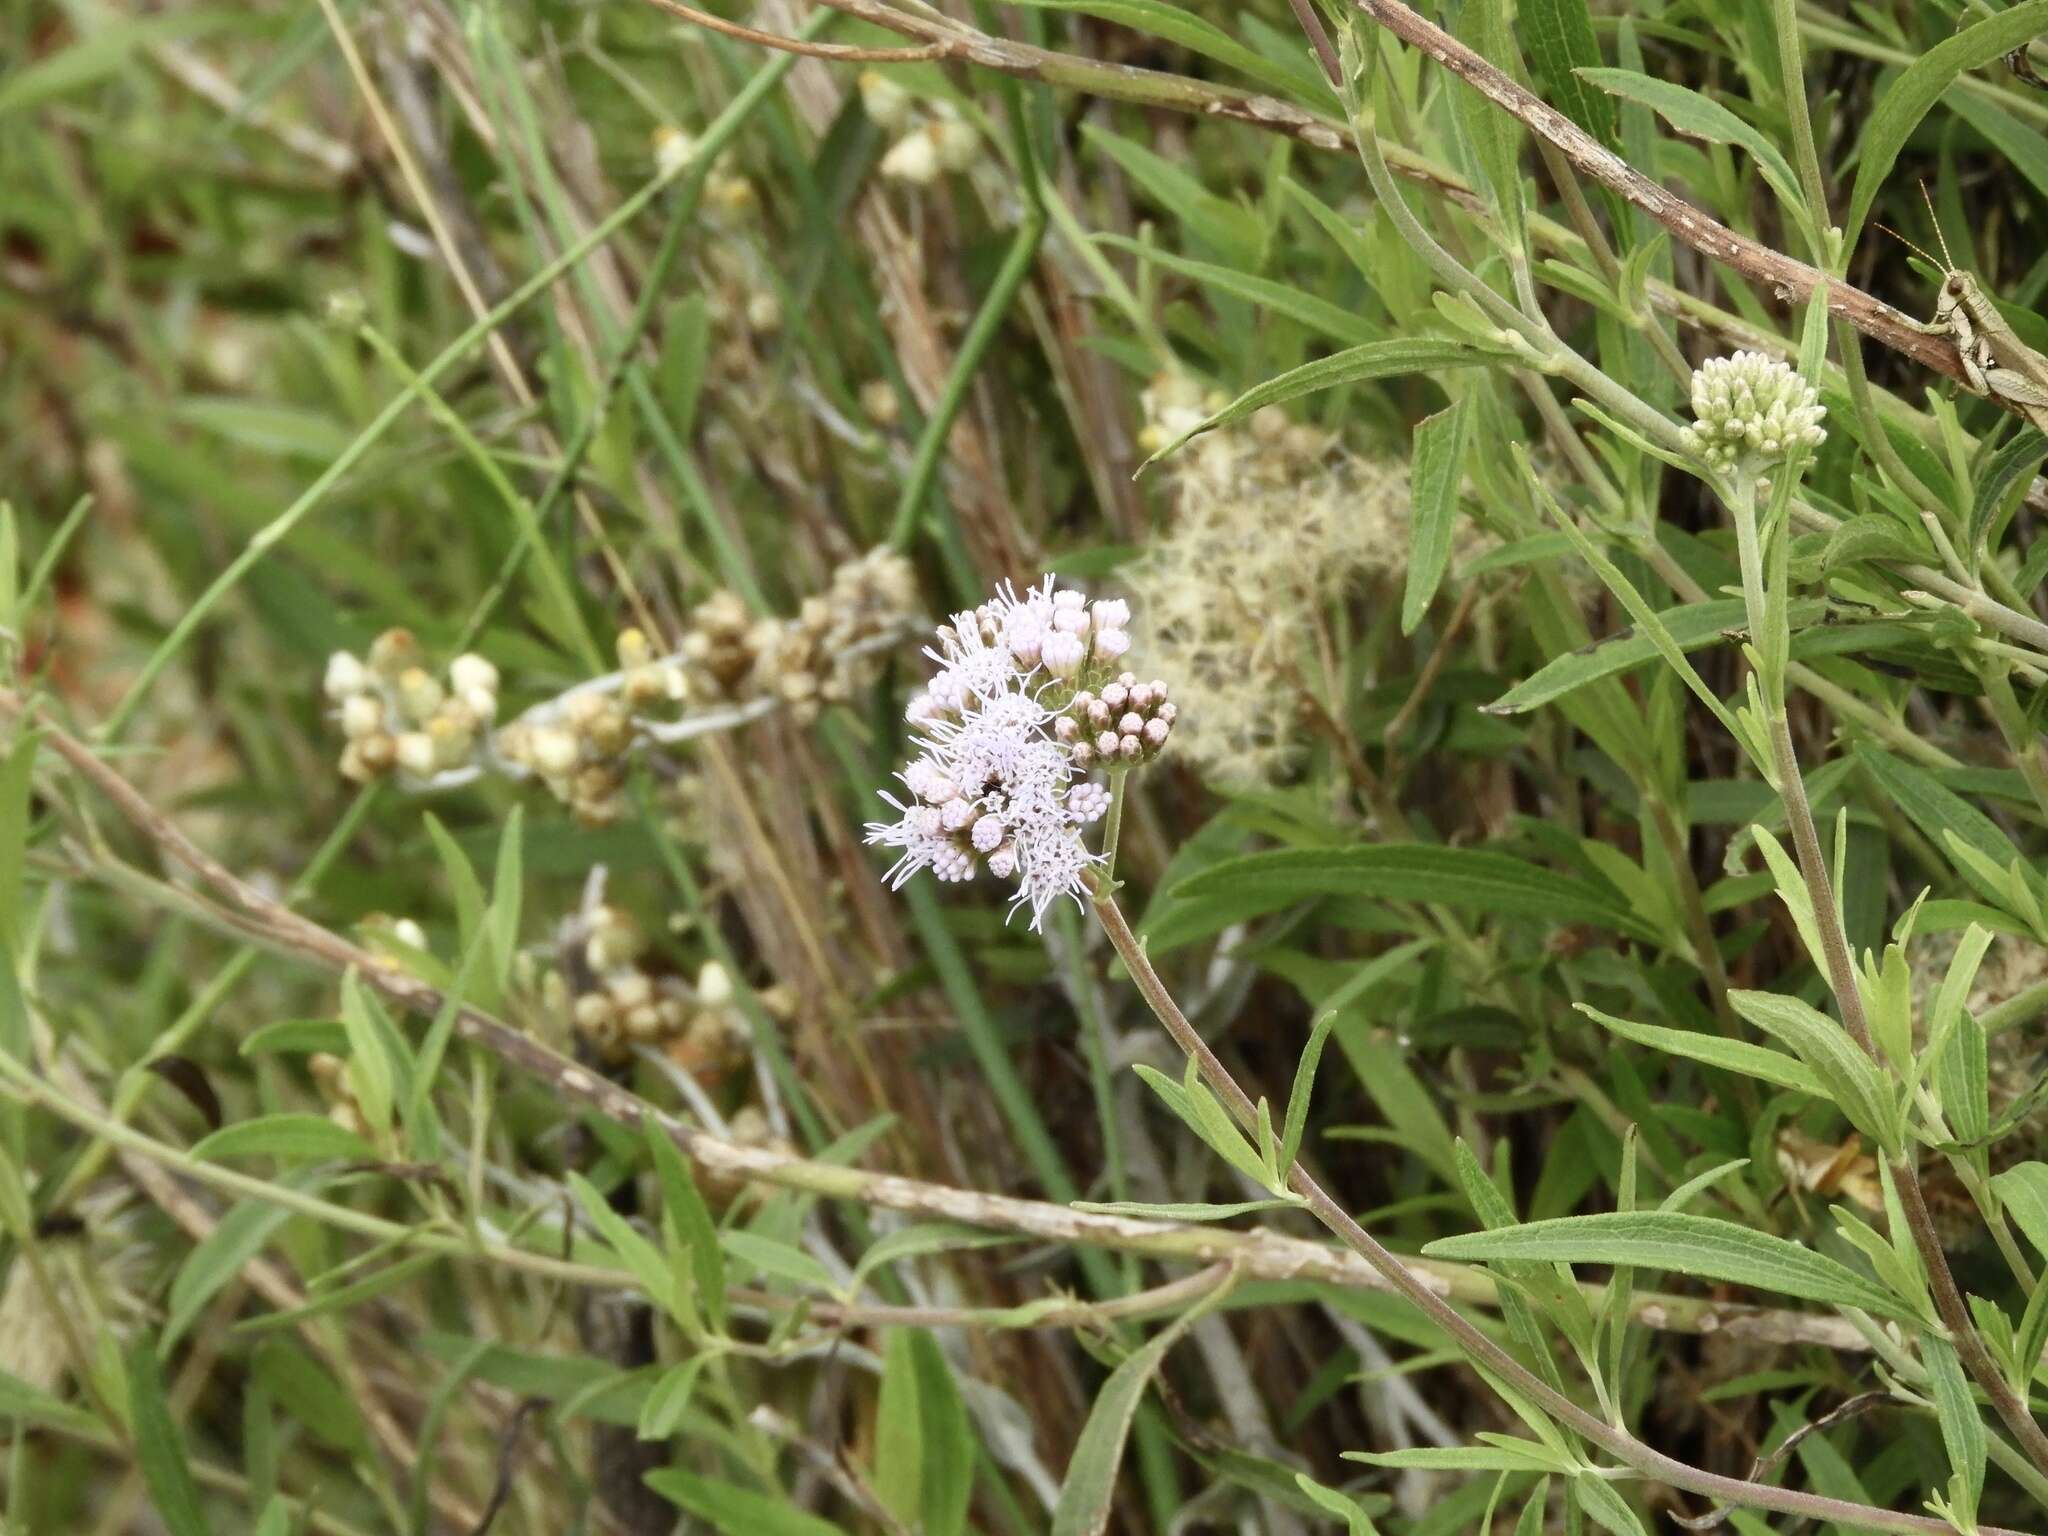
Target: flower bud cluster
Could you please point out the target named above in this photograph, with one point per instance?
(1125, 724)
(628, 1003)
(819, 657)
(996, 775)
(1751, 407)
(397, 716)
(932, 139)
(579, 750)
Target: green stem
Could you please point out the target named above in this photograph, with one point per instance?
(1477, 1346)
(988, 320)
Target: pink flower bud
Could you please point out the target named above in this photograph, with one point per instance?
(1070, 621)
(1082, 756)
(1090, 802)
(1065, 728)
(1142, 697)
(1112, 613)
(1098, 713)
(1156, 731)
(1131, 724)
(988, 834)
(954, 815)
(1169, 712)
(1107, 743)
(1115, 695)
(1131, 746)
(1003, 862)
(1110, 644)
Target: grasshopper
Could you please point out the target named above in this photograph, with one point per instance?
(1995, 360)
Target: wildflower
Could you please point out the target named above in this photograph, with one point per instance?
(995, 775)
(1751, 407)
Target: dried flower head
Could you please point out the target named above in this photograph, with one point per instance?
(1272, 521)
(995, 775)
(1751, 407)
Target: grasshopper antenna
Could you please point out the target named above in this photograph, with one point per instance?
(1909, 245)
(1948, 263)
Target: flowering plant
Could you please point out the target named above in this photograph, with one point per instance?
(1008, 730)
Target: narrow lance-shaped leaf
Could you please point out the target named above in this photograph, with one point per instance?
(1436, 475)
(1701, 1246)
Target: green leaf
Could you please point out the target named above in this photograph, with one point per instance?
(1854, 1082)
(2002, 480)
(1354, 365)
(1962, 1428)
(1935, 809)
(295, 1138)
(1228, 229)
(1468, 879)
(1700, 117)
(784, 1261)
(1342, 1505)
(1495, 136)
(1436, 476)
(1304, 1087)
(670, 1399)
(922, 1238)
(735, 1511)
(1502, 1454)
(1145, 1210)
(642, 1259)
(1597, 1497)
(1561, 43)
(303, 1389)
(1084, 1502)
(695, 1229)
(2023, 1190)
(371, 1076)
(1318, 315)
(105, 50)
(159, 1448)
(1702, 1246)
(1962, 1081)
(27, 1403)
(1691, 625)
(1920, 85)
(216, 1259)
(16, 771)
(1191, 32)
(298, 1037)
(924, 1447)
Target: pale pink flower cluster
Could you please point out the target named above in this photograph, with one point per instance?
(991, 782)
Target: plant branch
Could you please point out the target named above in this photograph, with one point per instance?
(1481, 1349)
(1259, 1255)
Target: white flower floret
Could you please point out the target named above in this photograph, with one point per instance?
(346, 676)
